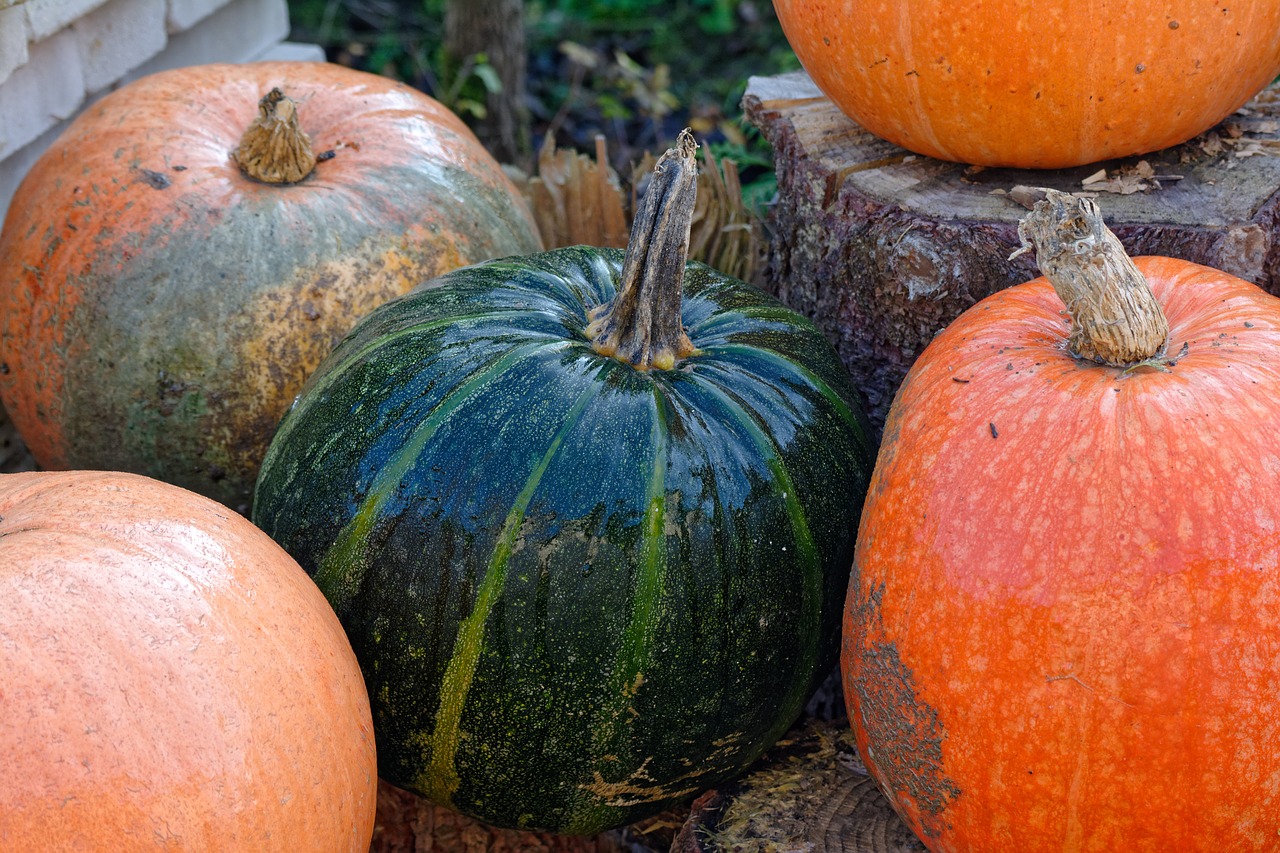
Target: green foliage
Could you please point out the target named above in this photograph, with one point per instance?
(754, 159)
(634, 71)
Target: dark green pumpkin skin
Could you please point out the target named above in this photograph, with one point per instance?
(580, 592)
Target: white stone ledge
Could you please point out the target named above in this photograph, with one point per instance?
(219, 38)
(239, 31)
(185, 14)
(117, 38)
(13, 41)
(46, 17)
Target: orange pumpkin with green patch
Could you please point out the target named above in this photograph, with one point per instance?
(1062, 623)
(172, 268)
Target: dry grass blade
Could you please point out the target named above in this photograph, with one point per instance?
(727, 235)
(577, 200)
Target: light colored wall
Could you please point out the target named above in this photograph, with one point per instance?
(58, 56)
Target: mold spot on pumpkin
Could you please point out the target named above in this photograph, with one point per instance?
(905, 734)
(153, 179)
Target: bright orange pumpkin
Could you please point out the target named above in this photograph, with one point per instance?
(169, 679)
(1035, 83)
(1063, 626)
(160, 308)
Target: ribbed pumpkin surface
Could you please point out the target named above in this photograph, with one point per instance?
(1043, 84)
(1062, 623)
(579, 591)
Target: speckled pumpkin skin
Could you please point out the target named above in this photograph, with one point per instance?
(1039, 84)
(160, 310)
(171, 679)
(1062, 626)
(581, 592)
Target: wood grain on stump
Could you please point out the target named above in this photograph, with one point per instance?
(883, 248)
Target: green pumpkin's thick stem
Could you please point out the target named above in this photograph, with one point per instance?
(1115, 318)
(275, 149)
(642, 325)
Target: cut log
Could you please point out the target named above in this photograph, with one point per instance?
(883, 248)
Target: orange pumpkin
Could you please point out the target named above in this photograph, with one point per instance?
(162, 300)
(172, 680)
(1035, 83)
(1063, 625)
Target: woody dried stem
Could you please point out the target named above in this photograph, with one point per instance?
(1115, 318)
(641, 325)
(275, 149)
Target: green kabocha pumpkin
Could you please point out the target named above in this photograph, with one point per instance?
(589, 536)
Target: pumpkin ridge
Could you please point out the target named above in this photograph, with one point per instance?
(842, 407)
(752, 312)
(637, 640)
(343, 567)
(440, 777)
(334, 370)
(331, 374)
(808, 560)
(544, 282)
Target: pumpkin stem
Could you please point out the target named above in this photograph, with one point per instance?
(1115, 318)
(275, 149)
(641, 325)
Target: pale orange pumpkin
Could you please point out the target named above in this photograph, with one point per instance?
(169, 679)
(1063, 626)
(1035, 83)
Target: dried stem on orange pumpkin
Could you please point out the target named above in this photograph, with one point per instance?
(642, 324)
(1115, 318)
(275, 149)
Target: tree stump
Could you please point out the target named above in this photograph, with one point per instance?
(883, 248)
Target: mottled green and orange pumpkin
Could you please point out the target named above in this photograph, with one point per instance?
(587, 519)
(168, 280)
